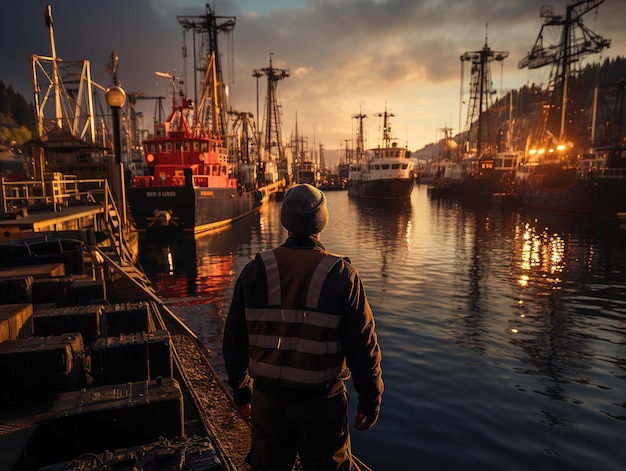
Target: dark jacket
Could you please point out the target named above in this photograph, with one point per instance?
(341, 295)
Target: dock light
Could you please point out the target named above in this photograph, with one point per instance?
(561, 147)
(116, 97)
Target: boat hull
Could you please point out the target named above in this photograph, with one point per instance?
(189, 211)
(389, 189)
(467, 187)
(602, 195)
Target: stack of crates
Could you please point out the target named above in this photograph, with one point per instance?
(99, 375)
(35, 369)
(111, 417)
(131, 357)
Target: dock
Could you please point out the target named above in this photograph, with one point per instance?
(25, 225)
(102, 295)
(60, 204)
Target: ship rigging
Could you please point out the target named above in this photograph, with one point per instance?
(273, 153)
(562, 124)
(484, 138)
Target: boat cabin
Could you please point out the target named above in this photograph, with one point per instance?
(201, 162)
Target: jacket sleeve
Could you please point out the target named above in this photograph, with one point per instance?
(363, 355)
(235, 346)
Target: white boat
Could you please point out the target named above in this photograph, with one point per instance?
(385, 172)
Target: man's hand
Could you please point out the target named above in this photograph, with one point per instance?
(244, 410)
(362, 422)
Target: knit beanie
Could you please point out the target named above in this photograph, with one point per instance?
(304, 210)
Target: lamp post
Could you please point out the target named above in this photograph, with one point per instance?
(116, 97)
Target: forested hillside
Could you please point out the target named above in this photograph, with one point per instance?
(17, 116)
(516, 115)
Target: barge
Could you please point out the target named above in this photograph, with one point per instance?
(98, 373)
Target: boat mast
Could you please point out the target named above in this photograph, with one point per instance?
(386, 127)
(447, 142)
(273, 137)
(360, 139)
(207, 64)
(481, 94)
(576, 42)
(73, 101)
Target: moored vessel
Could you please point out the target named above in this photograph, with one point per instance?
(573, 186)
(192, 185)
(384, 172)
(196, 180)
(480, 167)
(564, 168)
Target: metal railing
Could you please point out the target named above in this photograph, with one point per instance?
(53, 194)
(56, 194)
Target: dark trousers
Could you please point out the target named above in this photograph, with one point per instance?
(314, 428)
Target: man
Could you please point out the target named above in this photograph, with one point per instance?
(298, 325)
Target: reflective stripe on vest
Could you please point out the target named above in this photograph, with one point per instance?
(315, 286)
(317, 280)
(265, 346)
(273, 277)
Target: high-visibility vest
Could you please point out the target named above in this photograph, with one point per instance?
(297, 347)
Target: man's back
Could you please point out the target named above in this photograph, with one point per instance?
(298, 324)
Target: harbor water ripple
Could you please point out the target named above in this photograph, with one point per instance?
(503, 331)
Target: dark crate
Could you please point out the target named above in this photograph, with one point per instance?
(56, 321)
(131, 357)
(188, 453)
(110, 418)
(54, 289)
(16, 449)
(127, 318)
(17, 289)
(16, 321)
(49, 249)
(35, 369)
(51, 290)
(87, 291)
(46, 270)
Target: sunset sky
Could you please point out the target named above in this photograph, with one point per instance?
(344, 56)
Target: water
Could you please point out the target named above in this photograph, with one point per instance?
(503, 332)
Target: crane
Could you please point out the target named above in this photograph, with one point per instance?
(481, 94)
(272, 124)
(576, 41)
(206, 28)
(360, 138)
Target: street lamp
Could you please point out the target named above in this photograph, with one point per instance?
(116, 97)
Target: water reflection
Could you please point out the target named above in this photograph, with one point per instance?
(551, 285)
(386, 224)
(501, 330)
(201, 266)
(570, 278)
(480, 253)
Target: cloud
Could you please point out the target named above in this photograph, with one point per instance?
(343, 55)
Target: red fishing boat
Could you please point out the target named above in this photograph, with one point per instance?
(192, 185)
(197, 179)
